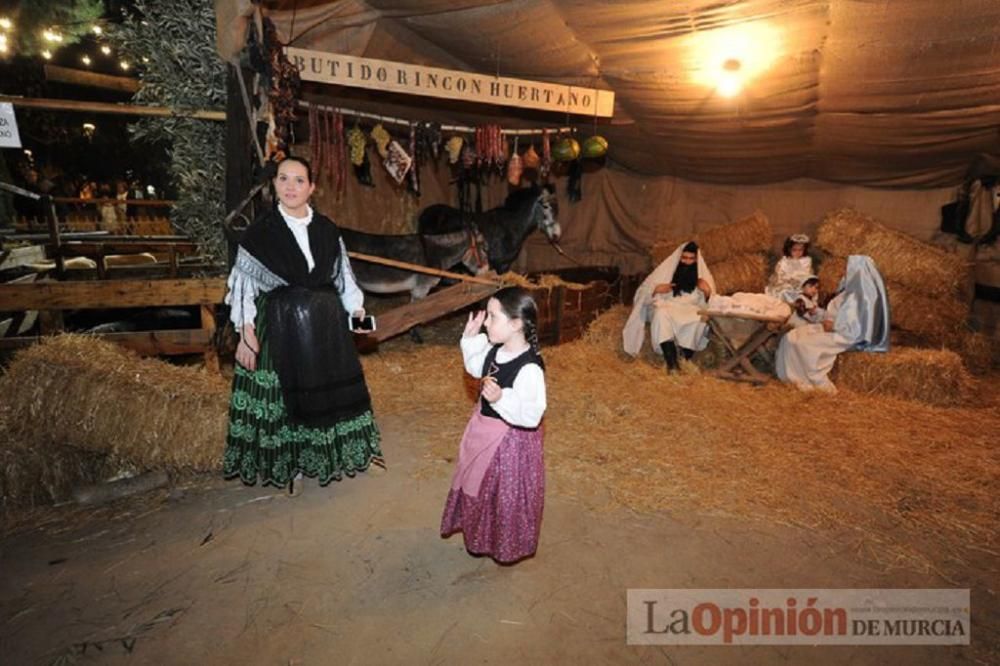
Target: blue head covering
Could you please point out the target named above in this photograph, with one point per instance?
(864, 283)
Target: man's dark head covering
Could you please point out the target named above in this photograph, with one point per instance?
(686, 275)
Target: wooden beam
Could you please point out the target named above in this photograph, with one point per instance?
(87, 248)
(401, 319)
(145, 343)
(104, 107)
(111, 294)
(416, 268)
(80, 77)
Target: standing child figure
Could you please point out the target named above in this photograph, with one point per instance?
(794, 266)
(498, 490)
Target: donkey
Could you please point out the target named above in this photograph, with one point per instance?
(504, 229)
(441, 251)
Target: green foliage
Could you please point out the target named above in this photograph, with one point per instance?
(71, 18)
(175, 41)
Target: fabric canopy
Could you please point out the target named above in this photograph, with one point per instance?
(869, 92)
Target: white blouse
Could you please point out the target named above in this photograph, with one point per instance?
(522, 405)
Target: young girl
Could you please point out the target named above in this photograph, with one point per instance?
(794, 267)
(498, 489)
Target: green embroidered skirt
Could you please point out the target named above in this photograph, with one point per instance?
(264, 445)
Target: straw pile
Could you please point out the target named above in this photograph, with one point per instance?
(747, 236)
(907, 485)
(933, 376)
(900, 258)
(741, 272)
(74, 390)
(30, 476)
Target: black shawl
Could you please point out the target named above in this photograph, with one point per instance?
(306, 327)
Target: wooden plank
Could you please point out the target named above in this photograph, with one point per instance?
(208, 326)
(145, 343)
(437, 304)
(105, 107)
(82, 77)
(416, 268)
(76, 248)
(111, 294)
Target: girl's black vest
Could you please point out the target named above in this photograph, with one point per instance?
(505, 373)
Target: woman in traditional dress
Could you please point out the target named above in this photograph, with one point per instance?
(300, 405)
(857, 318)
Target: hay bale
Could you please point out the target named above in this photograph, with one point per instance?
(900, 258)
(749, 235)
(935, 319)
(831, 272)
(741, 272)
(932, 376)
(79, 391)
(30, 475)
(979, 352)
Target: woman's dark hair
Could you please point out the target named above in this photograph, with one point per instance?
(301, 160)
(517, 303)
(790, 243)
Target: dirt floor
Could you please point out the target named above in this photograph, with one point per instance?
(356, 573)
(214, 572)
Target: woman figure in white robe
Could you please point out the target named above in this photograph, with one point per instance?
(856, 319)
(669, 299)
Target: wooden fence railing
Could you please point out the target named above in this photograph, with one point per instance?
(52, 298)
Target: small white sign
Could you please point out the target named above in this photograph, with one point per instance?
(9, 138)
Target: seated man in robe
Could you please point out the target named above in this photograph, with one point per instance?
(857, 318)
(669, 299)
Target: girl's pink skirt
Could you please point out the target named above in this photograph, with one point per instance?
(498, 491)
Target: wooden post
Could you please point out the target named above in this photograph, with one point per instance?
(208, 324)
(50, 209)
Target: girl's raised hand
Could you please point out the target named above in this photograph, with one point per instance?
(475, 323)
(491, 390)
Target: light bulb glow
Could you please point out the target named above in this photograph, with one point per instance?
(86, 60)
(106, 50)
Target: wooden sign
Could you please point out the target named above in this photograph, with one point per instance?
(398, 77)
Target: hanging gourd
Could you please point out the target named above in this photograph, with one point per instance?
(566, 149)
(595, 146)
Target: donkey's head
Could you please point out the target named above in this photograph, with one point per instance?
(545, 213)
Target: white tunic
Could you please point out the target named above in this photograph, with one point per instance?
(807, 354)
(788, 276)
(676, 318)
(645, 304)
(522, 405)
